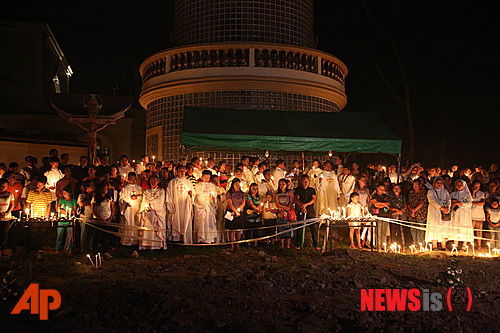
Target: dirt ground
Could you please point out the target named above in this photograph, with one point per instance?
(253, 290)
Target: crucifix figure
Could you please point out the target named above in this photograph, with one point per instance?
(93, 123)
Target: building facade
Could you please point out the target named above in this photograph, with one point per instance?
(248, 54)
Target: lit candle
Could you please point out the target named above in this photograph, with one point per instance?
(473, 252)
(426, 246)
(69, 212)
(27, 212)
(100, 259)
(385, 247)
(466, 249)
(489, 248)
(88, 256)
(399, 248)
(453, 249)
(96, 261)
(31, 207)
(411, 248)
(421, 247)
(344, 212)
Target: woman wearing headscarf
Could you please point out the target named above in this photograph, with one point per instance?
(461, 219)
(437, 229)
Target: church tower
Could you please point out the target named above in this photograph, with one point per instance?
(239, 54)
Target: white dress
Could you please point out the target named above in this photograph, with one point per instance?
(461, 220)
(328, 192)
(130, 214)
(477, 212)
(354, 210)
(180, 209)
(205, 209)
(153, 216)
(436, 229)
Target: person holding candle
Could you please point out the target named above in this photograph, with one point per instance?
(235, 208)
(65, 208)
(284, 199)
(16, 188)
(314, 173)
(253, 210)
(417, 211)
(493, 218)
(259, 175)
(130, 203)
(354, 210)
(7, 203)
(153, 217)
(39, 199)
(210, 166)
(328, 190)
(364, 199)
(266, 185)
(461, 220)
(141, 166)
(238, 173)
(53, 176)
(397, 210)
(179, 198)
(477, 211)
(437, 228)
(205, 210)
(124, 167)
(270, 216)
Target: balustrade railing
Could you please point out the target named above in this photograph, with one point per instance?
(228, 56)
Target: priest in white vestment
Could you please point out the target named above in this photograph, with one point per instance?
(205, 209)
(436, 229)
(153, 217)
(328, 191)
(179, 198)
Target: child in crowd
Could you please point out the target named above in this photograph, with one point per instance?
(130, 203)
(269, 215)
(66, 207)
(354, 209)
(493, 218)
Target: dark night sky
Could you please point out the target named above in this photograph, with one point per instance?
(449, 50)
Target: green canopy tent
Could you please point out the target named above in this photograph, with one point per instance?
(286, 131)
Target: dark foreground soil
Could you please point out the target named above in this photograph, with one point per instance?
(264, 290)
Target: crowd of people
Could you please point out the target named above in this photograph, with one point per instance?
(149, 204)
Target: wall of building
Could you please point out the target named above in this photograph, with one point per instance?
(16, 151)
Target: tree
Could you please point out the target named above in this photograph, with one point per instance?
(404, 98)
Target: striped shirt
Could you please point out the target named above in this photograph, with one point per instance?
(40, 200)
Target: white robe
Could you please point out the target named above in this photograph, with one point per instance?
(328, 192)
(153, 217)
(278, 174)
(248, 175)
(436, 229)
(221, 211)
(205, 219)
(264, 187)
(347, 184)
(197, 173)
(180, 209)
(123, 171)
(130, 214)
(461, 221)
(314, 178)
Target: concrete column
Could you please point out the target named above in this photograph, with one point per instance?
(251, 57)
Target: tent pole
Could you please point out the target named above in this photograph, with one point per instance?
(303, 163)
(399, 168)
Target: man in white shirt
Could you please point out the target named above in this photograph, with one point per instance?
(197, 162)
(141, 166)
(279, 172)
(53, 176)
(347, 183)
(247, 173)
(210, 166)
